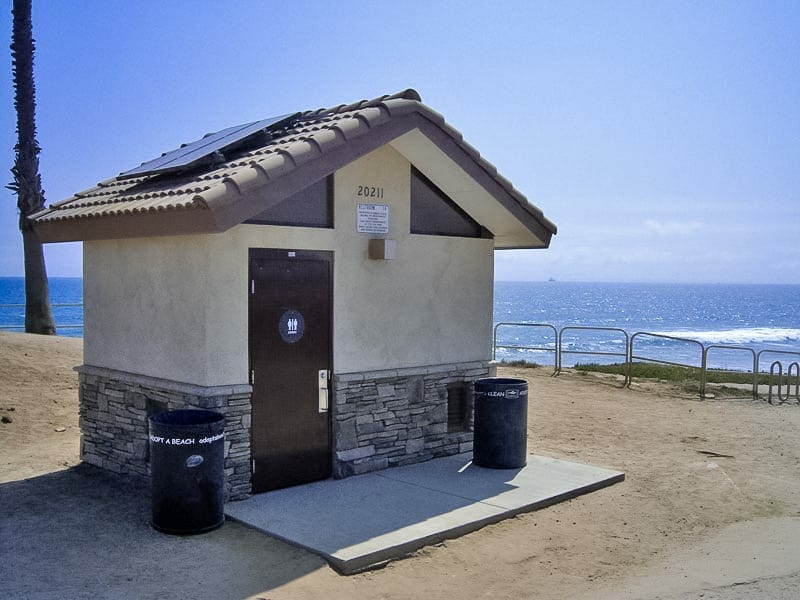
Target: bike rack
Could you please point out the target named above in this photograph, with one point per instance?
(788, 372)
(781, 398)
(796, 366)
(778, 364)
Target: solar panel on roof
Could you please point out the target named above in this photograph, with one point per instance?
(201, 151)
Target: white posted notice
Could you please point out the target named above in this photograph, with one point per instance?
(372, 218)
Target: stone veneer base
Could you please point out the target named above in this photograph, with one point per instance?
(380, 418)
(114, 406)
(397, 417)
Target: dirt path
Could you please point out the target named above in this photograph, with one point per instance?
(694, 470)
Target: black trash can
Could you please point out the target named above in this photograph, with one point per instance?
(187, 453)
(501, 423)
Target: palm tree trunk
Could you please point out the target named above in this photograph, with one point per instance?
(27, 181)
(38, 315)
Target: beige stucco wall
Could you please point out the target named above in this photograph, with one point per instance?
(431, 305)
(148, 303)
(176, 307)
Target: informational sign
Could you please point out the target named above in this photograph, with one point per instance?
(372, 218)
(292, 326)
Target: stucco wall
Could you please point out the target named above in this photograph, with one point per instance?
(431, 305)
(176, 307)
(146, 305)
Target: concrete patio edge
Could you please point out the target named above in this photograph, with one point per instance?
(362, 522)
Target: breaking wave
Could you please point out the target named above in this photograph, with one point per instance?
(751, 335)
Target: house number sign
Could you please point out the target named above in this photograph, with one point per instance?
(372, 218)
(369, 191)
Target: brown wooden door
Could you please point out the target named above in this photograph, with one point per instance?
(290, 343)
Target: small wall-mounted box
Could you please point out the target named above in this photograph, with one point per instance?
(382, 249)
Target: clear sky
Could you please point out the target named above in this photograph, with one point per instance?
(663, 138)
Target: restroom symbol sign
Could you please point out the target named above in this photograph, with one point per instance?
(291, 326)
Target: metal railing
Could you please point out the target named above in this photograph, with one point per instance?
(629, 356)
(632, 354)
(736, 348)
(10, 327)
(625, 355)
(553, 349)
(557, 347)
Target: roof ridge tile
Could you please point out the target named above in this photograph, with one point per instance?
(372, 116)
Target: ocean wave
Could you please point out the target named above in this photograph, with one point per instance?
(751, 335)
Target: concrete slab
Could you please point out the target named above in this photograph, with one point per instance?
(362, 521)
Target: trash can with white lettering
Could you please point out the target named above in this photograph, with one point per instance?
(187, 453)
(501, 423)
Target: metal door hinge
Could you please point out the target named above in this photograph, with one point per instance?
(252, 377)
(252, 286)
(254, 465)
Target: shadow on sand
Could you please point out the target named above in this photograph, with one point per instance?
(85, 533)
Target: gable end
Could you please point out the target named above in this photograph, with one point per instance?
(434, 213)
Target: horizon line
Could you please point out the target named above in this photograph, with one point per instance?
(550, 280)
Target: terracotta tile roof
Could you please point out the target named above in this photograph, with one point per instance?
(207, 194)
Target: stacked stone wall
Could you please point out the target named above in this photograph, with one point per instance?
(381, 419)
(398, 417)
(114, 407)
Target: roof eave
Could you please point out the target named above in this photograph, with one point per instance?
(234, 200)
(117, 226)
(538, 245)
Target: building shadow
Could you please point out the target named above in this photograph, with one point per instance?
(85, 533)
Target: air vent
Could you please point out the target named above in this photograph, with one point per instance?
(457, 407)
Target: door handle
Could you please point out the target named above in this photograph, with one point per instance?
(324, 389)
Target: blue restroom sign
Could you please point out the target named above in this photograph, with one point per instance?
(292, 326)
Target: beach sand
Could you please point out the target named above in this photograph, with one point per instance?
(710, 504)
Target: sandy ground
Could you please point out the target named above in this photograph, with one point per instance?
(710, 507)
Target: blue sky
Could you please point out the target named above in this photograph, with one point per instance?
(663, 138)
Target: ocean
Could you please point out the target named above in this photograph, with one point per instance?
(755, 317)
(752, 317)
(63, 291)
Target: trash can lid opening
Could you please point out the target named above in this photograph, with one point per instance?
(187, 417)
(501, 381)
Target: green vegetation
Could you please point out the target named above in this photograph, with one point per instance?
(686, 377)
(522, 364)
